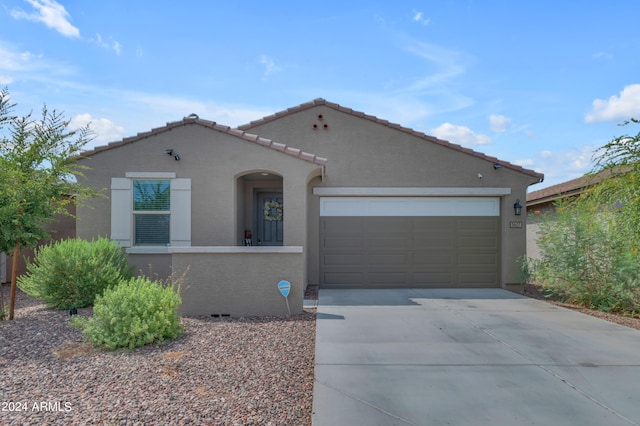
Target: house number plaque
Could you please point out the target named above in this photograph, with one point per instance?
(517, 224)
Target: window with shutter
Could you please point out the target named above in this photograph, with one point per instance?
(151, 212)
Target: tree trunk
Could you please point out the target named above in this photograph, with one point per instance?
(14, 277)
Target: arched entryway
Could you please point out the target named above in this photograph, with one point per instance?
(260, 207)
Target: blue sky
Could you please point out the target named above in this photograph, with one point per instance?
(537, 83)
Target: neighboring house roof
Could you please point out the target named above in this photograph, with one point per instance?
(320, 101)
(569, 188)
(268, 143)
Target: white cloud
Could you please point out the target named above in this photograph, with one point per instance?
(499, 123)
(104, 129)
(21, 66)
(447, 63)
(527, 162)
(461, 135)
(270, 66)
(561, 166)
(622, 107)
(146, 110)
(419, 17)
(12, 60)
(431, 85)
(4, 80)
(602, 55)
(50, 13)
(109, 43)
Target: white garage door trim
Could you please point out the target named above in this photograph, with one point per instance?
(410, 206)
(431, 191)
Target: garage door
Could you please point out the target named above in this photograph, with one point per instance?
(379, 242)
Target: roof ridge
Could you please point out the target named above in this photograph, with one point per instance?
(422, 135)
(236, 132)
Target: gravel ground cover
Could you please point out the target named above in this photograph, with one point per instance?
(221, 371)
(535, 292)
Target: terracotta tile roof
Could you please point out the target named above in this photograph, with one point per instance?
(213, 125)
(569, 188)
(321, 101)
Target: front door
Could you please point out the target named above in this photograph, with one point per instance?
(270, 219)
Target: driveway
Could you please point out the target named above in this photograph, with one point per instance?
(469, 357)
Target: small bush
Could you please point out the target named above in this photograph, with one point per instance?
(71, 273)
(134, 313)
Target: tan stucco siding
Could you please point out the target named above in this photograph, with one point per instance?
(214, 286)
(213, 161)
(366, 153)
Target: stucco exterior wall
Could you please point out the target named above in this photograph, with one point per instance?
(533, 249)
(221, 209)
(366, 153)
(361, 152)
(213, 161)
(243, 282)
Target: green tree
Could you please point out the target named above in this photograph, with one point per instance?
(38, 170)
(620, 191)
(590, 245)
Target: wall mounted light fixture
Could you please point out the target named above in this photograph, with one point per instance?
(497, 166)
(168, 151)
(517, 208)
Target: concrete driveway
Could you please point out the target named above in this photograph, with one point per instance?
(469, 357)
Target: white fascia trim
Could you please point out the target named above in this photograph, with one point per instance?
(150, 175)
(409, 192)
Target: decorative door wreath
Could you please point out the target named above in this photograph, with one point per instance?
(272, 211)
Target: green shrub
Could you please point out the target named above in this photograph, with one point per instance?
(134, 313)
(71, 273)
(588, 258)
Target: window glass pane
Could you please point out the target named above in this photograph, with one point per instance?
(151, 229)
(151, 195)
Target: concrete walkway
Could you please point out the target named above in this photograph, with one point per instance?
(469, 357)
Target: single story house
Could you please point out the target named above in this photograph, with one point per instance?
(316, 195)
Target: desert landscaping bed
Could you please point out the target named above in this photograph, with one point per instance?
(535, 292)
(221, 371)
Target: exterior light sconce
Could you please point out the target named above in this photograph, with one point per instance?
(517, 208)
(497, 166)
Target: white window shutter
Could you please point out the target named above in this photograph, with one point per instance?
(181, 212)
(121, 200)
